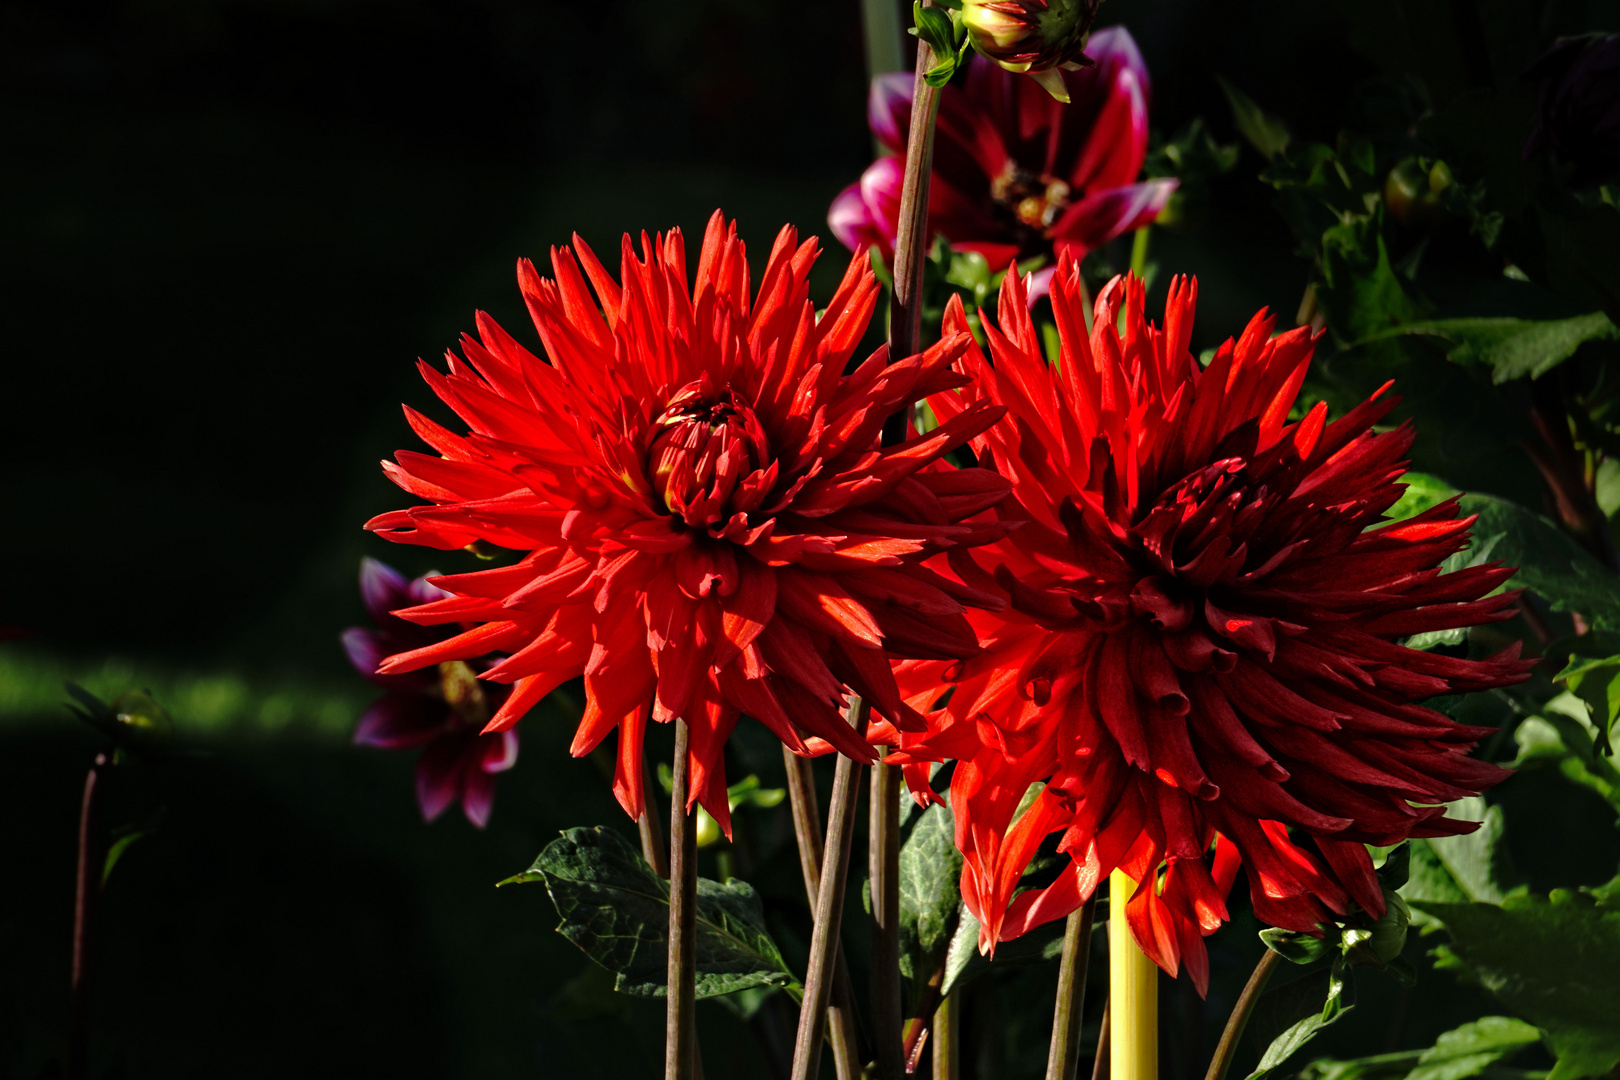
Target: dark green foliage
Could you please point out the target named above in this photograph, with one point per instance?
(615, 907)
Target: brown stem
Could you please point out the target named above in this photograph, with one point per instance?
(883, 869)
(680, 1036)
(1063, 1060)
(651, 828)
(842, 1031)
(1227, 1047)
(947, 1043)
(924, 1012)
(829, 908)
(1099, 1064)
(911, 239)
(84, 897)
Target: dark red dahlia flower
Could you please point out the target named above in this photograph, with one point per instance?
(708, 523)
(1204, 646)
(442, 709)
(1016, 173)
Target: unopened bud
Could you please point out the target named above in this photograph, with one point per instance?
(1032, 36)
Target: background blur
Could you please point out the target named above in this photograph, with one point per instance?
(228, 228)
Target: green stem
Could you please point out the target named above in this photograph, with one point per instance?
(947, 1045)
(883, 868)
(1063, 1060)
(680, 1036)
(1239, 1019)
(1139, 251)
(829, 909)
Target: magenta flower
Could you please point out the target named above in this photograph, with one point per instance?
(442, 709)
(1016, 173)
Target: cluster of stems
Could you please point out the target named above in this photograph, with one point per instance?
(1128, 1043)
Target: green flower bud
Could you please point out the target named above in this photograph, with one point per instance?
(1032, 36)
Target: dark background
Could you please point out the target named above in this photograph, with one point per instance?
(227, 230)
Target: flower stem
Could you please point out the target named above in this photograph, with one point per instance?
(829, 909)
(911, 242)
(947, 1046)
(84, 898)
(1133, 993)
(651, 828)
(1099, 1064)
(883, 868)
(680, 1036)
(841, 1029)
(1063, 1061)
(880, 26)
(1139, 251)
(1227, 1048)
(923, 1013)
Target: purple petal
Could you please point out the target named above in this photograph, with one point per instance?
(365, 651)
(1116, 143)
(368, 648)
(849, 220)
(1038, 286)
(400, 720)
(497, 751)
(888, 108)
(423, 591)
(1113, 49)
(478, 797)
(382, 588)
(439, 775)
(1099, 217)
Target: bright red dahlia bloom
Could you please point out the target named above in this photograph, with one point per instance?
(1204, 641)
(1016, 173)
(709, 524)
(442, 709)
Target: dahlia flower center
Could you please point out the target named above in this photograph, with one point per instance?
(464, 693)
(705, 445)
(1033, 199)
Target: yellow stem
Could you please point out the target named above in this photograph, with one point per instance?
(1133, 994)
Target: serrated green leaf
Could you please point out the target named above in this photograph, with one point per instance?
(616, 909)
(1265, 132)
(1294, 1038)
(1475, 866)
(1458, 1054)
(1563, 735)
(1554, 961)
(930, 892)
(1549, 562)
(1468, 1050)
(1511, 348)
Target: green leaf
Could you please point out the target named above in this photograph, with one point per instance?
(616, 909)
(1511, 348)
(1592, 673)
(930, 892)
(1423, 492)
(1265, 132)
(1554, 961)
(1457, 869)
(1294, 1038)
(1458, 1054)
(1361, 293)
(1468, 1050)
(1563, 735)
(1549, 562)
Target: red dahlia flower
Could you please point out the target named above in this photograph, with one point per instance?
(1016, 173)
(1204, 641)
(708, 523)
(442, 709)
